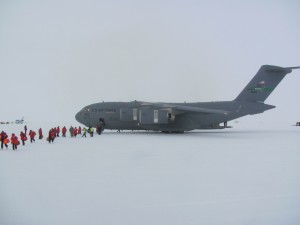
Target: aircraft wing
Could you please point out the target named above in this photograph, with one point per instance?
(196, 109)
(180, 109)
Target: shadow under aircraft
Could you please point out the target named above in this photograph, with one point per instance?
(180, 117)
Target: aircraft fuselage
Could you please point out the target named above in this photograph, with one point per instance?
(179, 117)
(137, 115)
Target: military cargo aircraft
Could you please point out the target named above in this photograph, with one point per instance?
(180, 117)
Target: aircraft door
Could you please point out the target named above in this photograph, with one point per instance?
(146, 116)
(162, 117)
(128, 114)
(153, 116)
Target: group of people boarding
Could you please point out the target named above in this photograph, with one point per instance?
(53, 133)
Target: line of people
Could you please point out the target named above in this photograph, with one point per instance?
(14, 140)
(53, 133)
(77, 131)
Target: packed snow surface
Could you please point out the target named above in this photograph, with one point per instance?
(238, 176)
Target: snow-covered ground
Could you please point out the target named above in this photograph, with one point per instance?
(239, 176)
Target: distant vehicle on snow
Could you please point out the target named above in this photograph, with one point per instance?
(20, 121)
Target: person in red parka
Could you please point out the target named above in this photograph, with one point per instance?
(32, 135)
(3, 137)
(64, 131)
(23, 137)
(79, 130)
(57, 131)
(52, 135)
(14, 141)
(49, 136)
(75, 131)
(40, 133)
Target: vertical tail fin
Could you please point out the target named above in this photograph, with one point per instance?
(263, 83)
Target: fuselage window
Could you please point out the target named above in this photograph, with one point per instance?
(135, 114)
(155, 116)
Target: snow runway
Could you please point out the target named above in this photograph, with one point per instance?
(235, 176)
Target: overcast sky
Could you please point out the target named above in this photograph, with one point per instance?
(58, 56)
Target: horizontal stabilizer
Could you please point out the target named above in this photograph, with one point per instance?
(282, 69)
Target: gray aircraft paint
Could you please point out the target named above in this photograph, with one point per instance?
(179, 117)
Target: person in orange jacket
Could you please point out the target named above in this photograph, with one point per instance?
(14, 141)
(32, 135)
(23, 137)
(6, 141)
